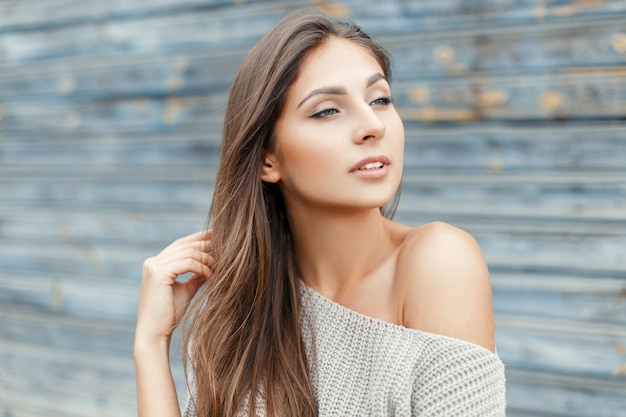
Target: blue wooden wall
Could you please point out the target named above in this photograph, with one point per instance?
(110, 117)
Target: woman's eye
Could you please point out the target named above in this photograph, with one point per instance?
(382, 101)
(324, 113)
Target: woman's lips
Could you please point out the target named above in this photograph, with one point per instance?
(371, 167)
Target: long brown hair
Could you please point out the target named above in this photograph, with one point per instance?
(243, 329)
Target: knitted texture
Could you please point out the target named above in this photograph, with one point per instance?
(361, 366)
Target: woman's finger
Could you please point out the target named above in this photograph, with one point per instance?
(203, 257)
(202, 244)
(156, 269)
(182, 251)
(198, 236)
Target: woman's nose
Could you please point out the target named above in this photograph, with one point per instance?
(369, 126)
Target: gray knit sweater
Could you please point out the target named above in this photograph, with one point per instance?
(361, 366)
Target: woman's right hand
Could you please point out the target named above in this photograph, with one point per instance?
(163, 299)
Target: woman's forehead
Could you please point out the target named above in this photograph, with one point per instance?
(335, 62)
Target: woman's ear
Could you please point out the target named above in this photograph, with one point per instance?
(270, 170)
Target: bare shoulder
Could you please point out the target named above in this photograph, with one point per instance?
(444, 282)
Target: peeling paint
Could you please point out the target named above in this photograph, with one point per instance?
(528, 350)
(1, 111)
(492, 98)
(420, 94)
(620, 370)
(171, 114)
(539, 12)
(619, 43)
(444, 54)
(333, 9)
(551, 101)
(434, 114)
(66, 85)
(576, 7)
(619, 348)
(496, 165)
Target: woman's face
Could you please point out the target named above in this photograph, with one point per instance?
(339, 141)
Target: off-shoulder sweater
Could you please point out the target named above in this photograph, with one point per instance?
(361, 366)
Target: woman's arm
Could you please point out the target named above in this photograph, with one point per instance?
(156, 392)
(162, 302)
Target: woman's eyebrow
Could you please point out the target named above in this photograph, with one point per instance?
(340, 90)
(374, 78)
(323, 90)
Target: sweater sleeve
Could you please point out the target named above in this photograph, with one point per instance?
(460, 379)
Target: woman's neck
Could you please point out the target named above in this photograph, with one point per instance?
(335, 251)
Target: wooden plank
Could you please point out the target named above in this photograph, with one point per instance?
(135, 200)
(563, 347)
(601, 255)
(595, 93)
(102, 227)
(515, 148)
(170, 34)
(582, 299)
(70, 295)
(539, 394)
(536, 177)
(158, 74)
(408, 16)
(516, 217)
(54, 119)
(93, 262)
(515, 195)
(49, 366)
(188, 41)
(106, 337)
(147, 230)
(512, 49)
(75, 375)
(154, 150)
(458, 14)
(47, 14)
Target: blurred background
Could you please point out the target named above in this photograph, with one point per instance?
(110, 122)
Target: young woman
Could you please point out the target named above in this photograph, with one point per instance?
(313, 302)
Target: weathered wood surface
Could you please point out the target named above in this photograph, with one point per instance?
(110, 118)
